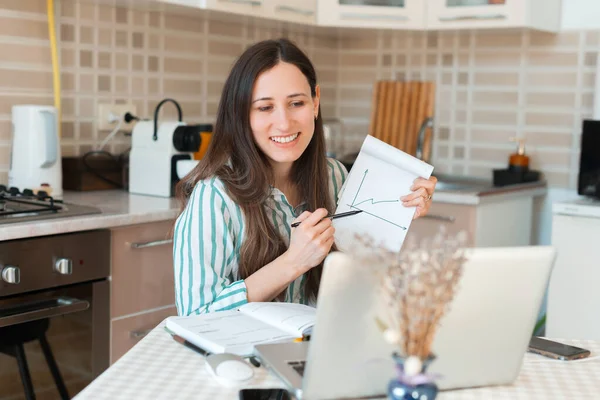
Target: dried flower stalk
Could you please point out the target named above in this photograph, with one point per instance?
(418, 284)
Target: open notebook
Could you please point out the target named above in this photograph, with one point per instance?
(238, 331)
(380, 175)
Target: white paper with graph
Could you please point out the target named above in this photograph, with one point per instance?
(380, 175)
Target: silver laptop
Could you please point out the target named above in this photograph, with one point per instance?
(481, 340)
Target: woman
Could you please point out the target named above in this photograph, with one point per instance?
(265, 168)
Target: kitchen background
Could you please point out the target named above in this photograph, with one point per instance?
(490, 85)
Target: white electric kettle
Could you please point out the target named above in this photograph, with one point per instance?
(35, 160)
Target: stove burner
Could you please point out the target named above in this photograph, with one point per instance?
(16, 203)
(26, 205)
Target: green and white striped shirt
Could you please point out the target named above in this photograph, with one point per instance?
(207, 241)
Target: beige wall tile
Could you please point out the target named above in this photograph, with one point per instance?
(214, 89)
(21, 79)
(556, 120)
(348, 76)
(563, 59)
(183, 44)
(182, 66)
(67, 81)
(225, 29)
(491, 155)
(87, 107)
(25, 54)
(86, 35)
(493, 136)
(487, 40)
(551, 99)
(557, 179)
(552, 40)
(496, 78)
(5, 133)
(355, 112)
(87, 11)
(180, 23)
(498, 59)
(31, 6)
(87, 83)
(552, 79)
(105, 37)
(494, 117)
(67, 130)
(182, 86)
(358, 60)
(221, 48)
(23, 28)
(507, 99)
(537, 138)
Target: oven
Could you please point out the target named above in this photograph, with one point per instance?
(53, 289)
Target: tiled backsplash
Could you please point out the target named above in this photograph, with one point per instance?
(490, 86)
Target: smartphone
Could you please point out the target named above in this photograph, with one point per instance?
(556, 350)
(265, 394)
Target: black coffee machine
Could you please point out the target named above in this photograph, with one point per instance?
(589, 161)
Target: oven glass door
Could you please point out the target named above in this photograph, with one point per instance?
(75, 324)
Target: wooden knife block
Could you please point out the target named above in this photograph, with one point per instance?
(398, 109)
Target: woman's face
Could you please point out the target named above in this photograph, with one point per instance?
(282, 113)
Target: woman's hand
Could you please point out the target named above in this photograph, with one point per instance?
(311, 240)
(421, 196)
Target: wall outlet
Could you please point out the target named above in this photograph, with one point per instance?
(109, 114)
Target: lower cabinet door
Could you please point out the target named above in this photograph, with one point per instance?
(126, 332)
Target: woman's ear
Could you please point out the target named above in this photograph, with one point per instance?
(316, 100)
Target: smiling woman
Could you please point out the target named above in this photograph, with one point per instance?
(265, 169)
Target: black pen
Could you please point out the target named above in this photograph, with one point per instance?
(340, 215)
(253, 360)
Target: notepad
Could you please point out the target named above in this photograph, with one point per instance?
(238, 331)
(380, 175)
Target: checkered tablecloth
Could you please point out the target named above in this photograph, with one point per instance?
(160, 368)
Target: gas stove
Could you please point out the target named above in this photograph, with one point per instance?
(27, 205)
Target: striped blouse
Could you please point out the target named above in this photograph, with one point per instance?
(207, 241)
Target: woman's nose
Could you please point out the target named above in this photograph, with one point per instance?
(283, 120)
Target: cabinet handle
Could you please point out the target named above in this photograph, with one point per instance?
(472, 17)
(347, 15)
(40, 309)
(256, 3)
(139, 334)
(291, 9)
(438, 217)
(151, 244)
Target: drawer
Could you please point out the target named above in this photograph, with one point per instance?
(127, 332)
(142, 268)
(453, 217)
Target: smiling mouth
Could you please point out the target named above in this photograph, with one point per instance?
(285, 139)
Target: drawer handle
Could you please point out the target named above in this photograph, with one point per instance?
(257, 3)
(438, 217)
(154, 243)
(291, 9)
(347, 15)
(481, 17)
(139, 334)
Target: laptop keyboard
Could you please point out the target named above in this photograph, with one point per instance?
(298, 366)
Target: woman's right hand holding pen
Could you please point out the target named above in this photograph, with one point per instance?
(311, 241)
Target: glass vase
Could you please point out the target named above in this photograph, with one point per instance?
(420, 386)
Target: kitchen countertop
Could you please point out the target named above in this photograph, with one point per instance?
(119, 208)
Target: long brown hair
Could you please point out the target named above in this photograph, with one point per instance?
(233, 157)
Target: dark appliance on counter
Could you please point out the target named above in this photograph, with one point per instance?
(54, 302)
(589, 160)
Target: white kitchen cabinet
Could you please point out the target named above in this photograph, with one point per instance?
(298, 11)
(481, 14)
(573, 295)
(255, 8)
(394, 14)
(503, 223)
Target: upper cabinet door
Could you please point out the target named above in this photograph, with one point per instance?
(473, 14)
(299, 11)
(395, 14)
(258, 8)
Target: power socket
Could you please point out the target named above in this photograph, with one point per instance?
(114, 113)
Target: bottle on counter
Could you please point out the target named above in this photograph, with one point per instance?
(518, 161)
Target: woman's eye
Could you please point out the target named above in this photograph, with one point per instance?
(264, 108)
(297, 104)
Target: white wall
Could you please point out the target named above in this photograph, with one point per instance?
(580, 14)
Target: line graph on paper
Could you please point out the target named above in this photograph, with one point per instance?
(371, 206)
